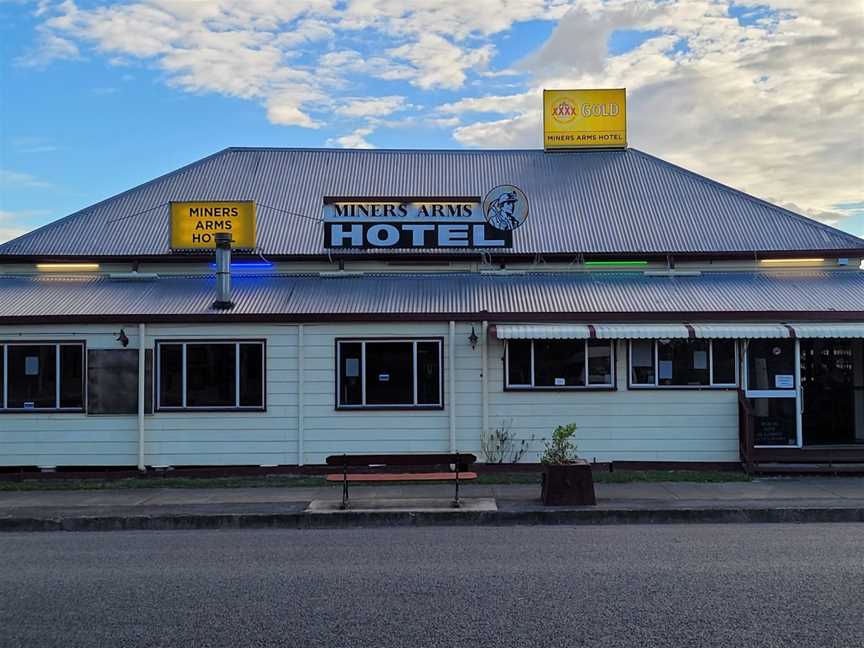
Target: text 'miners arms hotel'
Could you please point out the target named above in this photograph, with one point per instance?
(409, 300)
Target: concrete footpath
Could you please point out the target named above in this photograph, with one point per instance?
(775, 499)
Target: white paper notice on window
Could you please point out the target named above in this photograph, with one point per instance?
(560, 382)
(700, 359)
(383, 377)
(352, 367)
(665, 370)
(784, 381)
(31, 366)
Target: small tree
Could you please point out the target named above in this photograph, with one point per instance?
(560, 449)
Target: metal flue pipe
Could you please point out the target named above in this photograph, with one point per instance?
(223, 272)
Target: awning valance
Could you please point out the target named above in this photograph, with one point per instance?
(741, 331)
(543, 332)
(641, 331)
(828, 330)
(678, 331)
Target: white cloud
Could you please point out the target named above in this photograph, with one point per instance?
(773, 109)
(9, 178)
(14, 224)
(356, 140)
(371, 106)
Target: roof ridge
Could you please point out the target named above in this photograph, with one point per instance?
(83, 211)
(811, 222)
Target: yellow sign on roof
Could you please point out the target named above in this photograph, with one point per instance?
(194, 225)
(574, 119)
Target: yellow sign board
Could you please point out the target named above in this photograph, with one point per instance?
(194, 225)
(584, 119)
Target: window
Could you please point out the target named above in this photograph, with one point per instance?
(42, 376)
(683, 363)
(771, 365)
(210, 375)
(388, 373)
(558, 364)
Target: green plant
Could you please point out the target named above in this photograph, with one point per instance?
(500, 445)
(560, 449)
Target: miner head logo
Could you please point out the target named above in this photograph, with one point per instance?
(505, 207)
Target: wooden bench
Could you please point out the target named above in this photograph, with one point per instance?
(369, 469)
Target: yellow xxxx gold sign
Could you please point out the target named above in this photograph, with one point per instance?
(194, 225)
(584, 119)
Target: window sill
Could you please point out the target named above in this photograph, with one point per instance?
(223, 410)
(683, 387)
(386, 408)
(45, 410)
(593, 388)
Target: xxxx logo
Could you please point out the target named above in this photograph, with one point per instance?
(564, 111)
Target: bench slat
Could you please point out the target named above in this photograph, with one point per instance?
(430, 459)
(388, 477)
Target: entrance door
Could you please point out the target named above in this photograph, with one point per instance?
(772, 387)
(832, 383)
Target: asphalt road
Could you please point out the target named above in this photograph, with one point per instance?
(689, 585)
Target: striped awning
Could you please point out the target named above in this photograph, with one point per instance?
(828, 330)
(741, 331)
(543, 332)
(677, 331)
(640, 331)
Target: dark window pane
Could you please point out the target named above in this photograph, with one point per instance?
(599, 362)
(519, 362)
(774, 421)
(389, 373)
(771, 364)
(251, 375)
(428, 373)
(210, 375)
(71, 375)
(170, 375)
(682, 362)
(2, 373)
(724, 361)
(559, 363)
(642, 361)
(350, 372)
(32, 376)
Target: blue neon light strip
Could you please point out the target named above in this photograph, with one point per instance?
(243, 265)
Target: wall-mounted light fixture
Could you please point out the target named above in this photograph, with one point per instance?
(472, 339)
(123, 339)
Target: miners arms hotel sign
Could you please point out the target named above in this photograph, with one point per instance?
(466, 222)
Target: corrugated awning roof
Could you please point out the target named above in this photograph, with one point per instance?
(530, 298)
(581, 202)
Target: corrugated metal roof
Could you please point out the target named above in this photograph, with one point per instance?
(835, 295)
(583, 202)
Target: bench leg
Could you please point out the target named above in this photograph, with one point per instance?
(456, 498)
(344, 486)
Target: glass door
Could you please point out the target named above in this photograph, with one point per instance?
(832, 387)
(772, 384)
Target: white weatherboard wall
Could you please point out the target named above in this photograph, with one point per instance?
(622, 425)
(669, 425)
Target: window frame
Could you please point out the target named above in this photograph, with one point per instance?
(711, 384)
(610, 386)
(157, 376)
(362, 341)
(4, 392)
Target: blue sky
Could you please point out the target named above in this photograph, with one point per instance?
(98, 97)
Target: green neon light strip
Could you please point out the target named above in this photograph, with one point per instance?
(615, 263)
